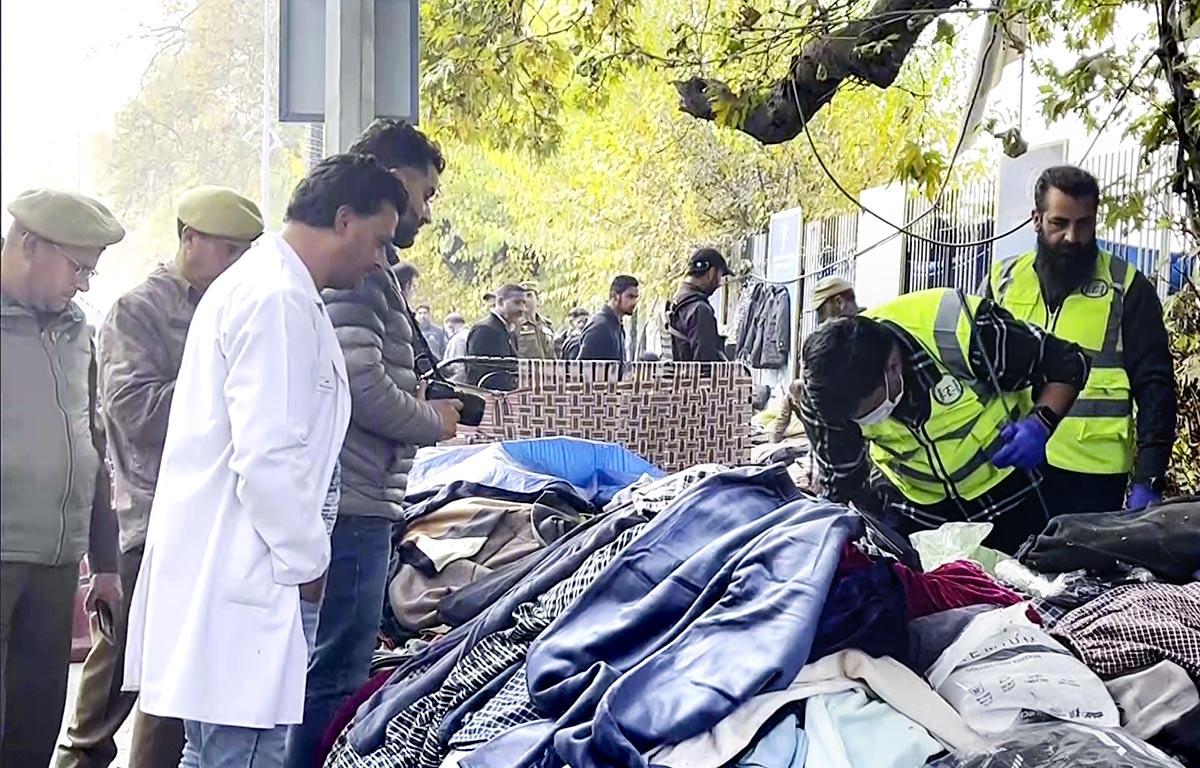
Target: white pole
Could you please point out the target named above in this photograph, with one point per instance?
(264, 161)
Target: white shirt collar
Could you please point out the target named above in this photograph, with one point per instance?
(294, 263)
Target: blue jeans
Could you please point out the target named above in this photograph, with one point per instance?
(348, 631)
(231, 746)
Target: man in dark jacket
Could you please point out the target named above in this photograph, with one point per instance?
(389, 420)
(690, 318)
(566, 343)
(492, 337)
(432, 331)
(140, 351)
(604, 337)
(54, 497)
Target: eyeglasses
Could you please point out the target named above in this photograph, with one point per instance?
(81, 270)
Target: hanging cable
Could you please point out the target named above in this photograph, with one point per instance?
(934, 206)
(905, 229)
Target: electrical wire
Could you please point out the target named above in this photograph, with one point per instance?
(906, 228)
(937, 202)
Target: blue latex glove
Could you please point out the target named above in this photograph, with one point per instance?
(1142, 496)
(1024, 444)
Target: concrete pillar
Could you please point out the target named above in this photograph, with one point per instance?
(349, 71)
(879, 273)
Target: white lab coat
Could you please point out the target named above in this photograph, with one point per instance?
(259, 413)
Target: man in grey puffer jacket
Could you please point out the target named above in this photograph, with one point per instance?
(389, 420)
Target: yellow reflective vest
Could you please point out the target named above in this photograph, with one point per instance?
(949, 456)
(1096, 436)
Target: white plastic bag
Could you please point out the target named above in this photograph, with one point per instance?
(1062, 745)
(1004, 670)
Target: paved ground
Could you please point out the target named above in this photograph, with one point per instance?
(123, 736)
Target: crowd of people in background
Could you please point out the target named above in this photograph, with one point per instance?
(513, 327)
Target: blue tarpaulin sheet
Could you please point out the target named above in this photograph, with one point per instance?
(596, 471)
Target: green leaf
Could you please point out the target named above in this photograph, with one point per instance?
(945, 32)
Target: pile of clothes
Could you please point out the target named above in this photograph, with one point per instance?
(722, 617)
(490, 510)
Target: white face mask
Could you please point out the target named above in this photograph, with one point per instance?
(885, 408)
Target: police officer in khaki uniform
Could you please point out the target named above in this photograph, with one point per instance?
(140, 350)
(54, 500)
(534, 334)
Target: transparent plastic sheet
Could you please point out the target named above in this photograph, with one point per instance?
(1072, 588)
(1058, 594)
(956, 541)
(1062, 745)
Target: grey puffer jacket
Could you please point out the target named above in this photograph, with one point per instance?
(387, 421)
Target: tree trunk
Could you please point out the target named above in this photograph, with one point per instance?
(822, 66)
(1178, 73)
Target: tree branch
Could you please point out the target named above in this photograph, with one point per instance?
(1178, 73)
(866, 50)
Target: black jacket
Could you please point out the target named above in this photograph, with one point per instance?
(436, 338)
(693, 326)
(604, 337)
(768, 343)
(1147, 360)
(490, 337)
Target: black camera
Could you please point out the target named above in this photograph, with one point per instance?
(473, 405)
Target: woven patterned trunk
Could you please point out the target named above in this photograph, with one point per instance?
(672, 414)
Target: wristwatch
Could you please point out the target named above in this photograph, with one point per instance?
(1047, 416)
(1158, 484)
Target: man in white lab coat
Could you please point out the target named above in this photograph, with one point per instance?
(236, 540)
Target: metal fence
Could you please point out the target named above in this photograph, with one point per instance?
(964, 216)
(828, 248)
(1140, 189)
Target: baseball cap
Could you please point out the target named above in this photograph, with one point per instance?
(704, 259)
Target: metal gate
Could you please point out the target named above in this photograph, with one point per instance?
(965, 215)
(828, 248)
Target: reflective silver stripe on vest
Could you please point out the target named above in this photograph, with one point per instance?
(900, 455)
(915, 474)
(945, 334)
(1100, 409)
(1006, 278)
(1116, 309)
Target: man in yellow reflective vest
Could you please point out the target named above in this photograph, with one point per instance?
(1075, 290)
(952, 399)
